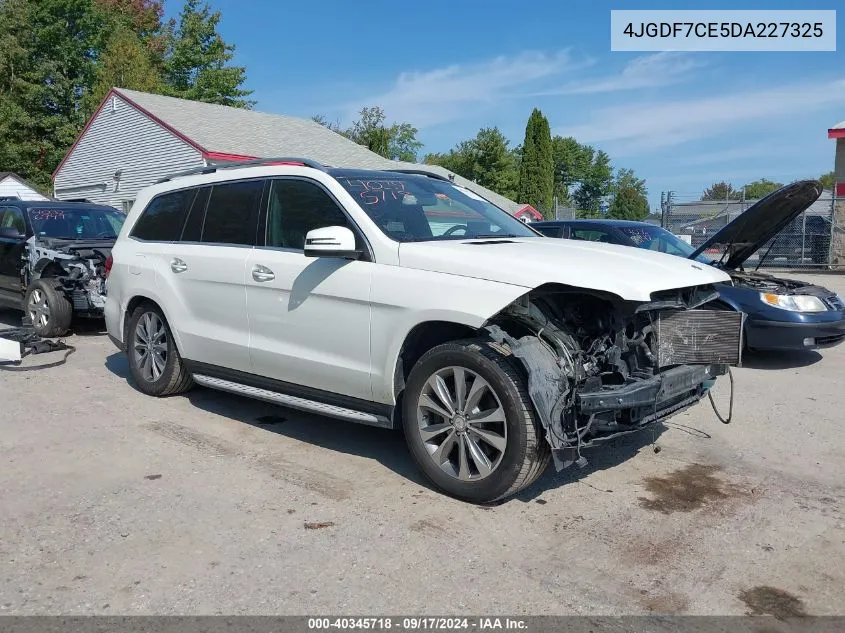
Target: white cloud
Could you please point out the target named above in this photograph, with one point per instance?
(647, 71)
(660, 124)
(427, 98)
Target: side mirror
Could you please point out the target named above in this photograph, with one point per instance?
(11, 233)
(331, 241)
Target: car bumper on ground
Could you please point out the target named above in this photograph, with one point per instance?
(780, 335)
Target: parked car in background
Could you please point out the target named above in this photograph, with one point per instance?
(783, 314)
(53, 260)
(386, 298)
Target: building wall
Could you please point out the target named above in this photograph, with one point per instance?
(839, 162)
(11, 186)
(121, 139)
(837, 242)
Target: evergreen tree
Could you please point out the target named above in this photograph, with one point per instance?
(629, 204)
(536, 173)
(196, 65)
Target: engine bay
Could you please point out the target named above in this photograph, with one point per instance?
(597, 368)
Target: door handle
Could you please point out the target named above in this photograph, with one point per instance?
(262, 273)
(177, 265)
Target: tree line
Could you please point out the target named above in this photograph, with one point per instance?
(754, 190)
(59, 58)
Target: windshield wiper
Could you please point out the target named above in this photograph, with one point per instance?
(483, 236)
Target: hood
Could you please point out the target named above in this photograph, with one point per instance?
(761, 222)
(629, 273)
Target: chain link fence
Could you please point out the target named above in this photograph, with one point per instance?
(815, 239)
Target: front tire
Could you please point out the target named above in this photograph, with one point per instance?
(470, 424)
(154, 360)
(48, 308)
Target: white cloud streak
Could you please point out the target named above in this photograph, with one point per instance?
(646, 127)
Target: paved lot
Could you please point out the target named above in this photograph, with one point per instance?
(117, 503)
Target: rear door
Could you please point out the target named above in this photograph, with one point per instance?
(12, 222)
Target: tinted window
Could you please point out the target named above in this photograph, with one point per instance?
(12, 218)
(162, 220)
(591, 235)
(296, 207)
(550, 231)
(193, 225)
(232, 213)
(76, 223)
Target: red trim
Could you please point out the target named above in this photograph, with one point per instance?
(837, 132)
(147, 113)
(840, 189)
(225, 156)
(528, 210)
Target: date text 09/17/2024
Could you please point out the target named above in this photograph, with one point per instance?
(418, 623)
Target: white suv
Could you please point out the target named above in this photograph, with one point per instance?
(398, 298)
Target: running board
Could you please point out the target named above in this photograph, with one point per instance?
(293, 402)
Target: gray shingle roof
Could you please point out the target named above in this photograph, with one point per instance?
(218, 128)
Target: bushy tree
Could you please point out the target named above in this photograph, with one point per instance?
(536, 171)
(197, 66)
(397, 141)
(628, 204)
(828, 180)
(721, 191)
(761, 188)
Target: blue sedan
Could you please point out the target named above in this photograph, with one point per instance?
(782, 314)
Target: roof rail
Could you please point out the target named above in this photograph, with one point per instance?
(420, 172)
(256, 162)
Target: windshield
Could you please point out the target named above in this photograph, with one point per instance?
(655, 238)
(76, 223)
(420, 209)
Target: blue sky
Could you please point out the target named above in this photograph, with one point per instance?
(680, 120)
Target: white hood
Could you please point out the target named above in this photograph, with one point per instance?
(631, 273)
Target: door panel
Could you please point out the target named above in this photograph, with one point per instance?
(11, 251)
(203, 289)
(309, 320)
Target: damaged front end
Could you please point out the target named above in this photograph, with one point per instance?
(599, 367)
(79, 266)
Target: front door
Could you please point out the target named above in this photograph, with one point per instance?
(309, 317)
(12, 241)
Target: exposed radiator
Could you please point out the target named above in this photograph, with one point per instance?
(699, 337)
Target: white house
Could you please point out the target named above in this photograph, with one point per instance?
(135, 138)
(13, 186)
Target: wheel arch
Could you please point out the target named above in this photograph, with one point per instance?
(132, 304)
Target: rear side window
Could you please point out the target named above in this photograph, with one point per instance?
(550, 231)
(163, 218)
(232, 213)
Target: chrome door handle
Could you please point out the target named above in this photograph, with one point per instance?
(177, 265)
(262, 273)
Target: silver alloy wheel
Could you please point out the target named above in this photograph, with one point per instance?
(462, 423)
(39, 310)
(150, 346)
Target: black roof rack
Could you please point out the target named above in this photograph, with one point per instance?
(421, 172)
(256, 162)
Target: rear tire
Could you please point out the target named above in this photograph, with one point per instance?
(485, 443)
(154, 360)
(48, 308)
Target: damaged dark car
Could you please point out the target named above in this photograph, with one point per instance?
(54, 257)
(782, 313)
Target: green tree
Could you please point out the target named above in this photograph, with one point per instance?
(572, 162)
(48, 50)
(334, 126)
(629, 204)
(828, 180)
(397, 141)
(485, 159)
(196, 64)
(536, 172)
(760, 188)
(596, 185)
(626, 178)
(721, 191)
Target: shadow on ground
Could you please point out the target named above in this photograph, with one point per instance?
(780, 360)
(387, 447)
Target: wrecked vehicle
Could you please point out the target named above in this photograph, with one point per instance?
(399, 298)
(782, 314)
(54, 258)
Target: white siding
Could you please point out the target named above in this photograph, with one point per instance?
(120, 138)
(11, 186)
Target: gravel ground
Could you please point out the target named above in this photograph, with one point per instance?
(118, 503)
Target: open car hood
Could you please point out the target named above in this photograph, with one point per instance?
(761, 222)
